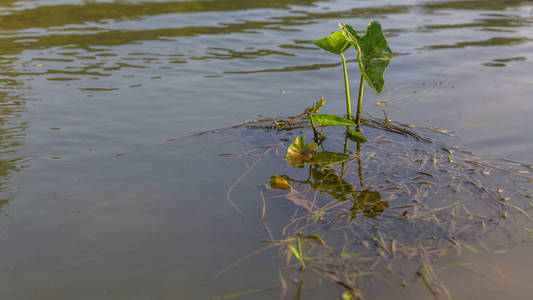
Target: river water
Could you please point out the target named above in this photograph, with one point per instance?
(84, 81)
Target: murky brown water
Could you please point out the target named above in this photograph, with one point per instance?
(83, 81)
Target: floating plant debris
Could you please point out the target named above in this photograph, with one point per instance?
(357, 212)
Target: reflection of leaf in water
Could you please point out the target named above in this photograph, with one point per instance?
(327, 180)
(369, 203)
(279, 183)
(355, 136)
(299, 199)
(299, 153)
(326, 158)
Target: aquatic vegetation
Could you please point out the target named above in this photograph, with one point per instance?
(373, 57)
(398, 208)
(298, 252)
(337, 43)
(298, 152)
(392, 204)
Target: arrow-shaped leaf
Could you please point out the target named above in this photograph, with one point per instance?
(298, 152)
(331, 120)
(373, 53)
(336, 43)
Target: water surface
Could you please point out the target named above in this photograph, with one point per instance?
(83, 81)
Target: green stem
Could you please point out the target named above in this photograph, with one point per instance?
(360, 165)
(313, 126)
(346, 88)
(360, 102)
(346, 141)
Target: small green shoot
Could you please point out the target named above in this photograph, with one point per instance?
(298, 252)
(309, 110)
(314, 109)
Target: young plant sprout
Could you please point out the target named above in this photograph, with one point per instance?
(373, 57)
(337, 43)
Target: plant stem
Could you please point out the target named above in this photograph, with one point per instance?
(360, 102)
(360, 165)
(346, 88)
(346, 141)
(313, 126)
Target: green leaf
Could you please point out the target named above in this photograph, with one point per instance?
(299, 245)
(336, 43)
(299, 153)
(373, 53)
(349, 33)
(296, 253)
(331, 120)
(355, 136)
(279, 183)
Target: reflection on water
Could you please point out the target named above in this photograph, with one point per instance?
(476, 5)
(84, 36)
(12, 131)
(324, 178)
(365, 221)
(79, 41)
(47, 16)
(327, 180)
(496, 41)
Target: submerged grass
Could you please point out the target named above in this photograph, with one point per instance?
(398, 207)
